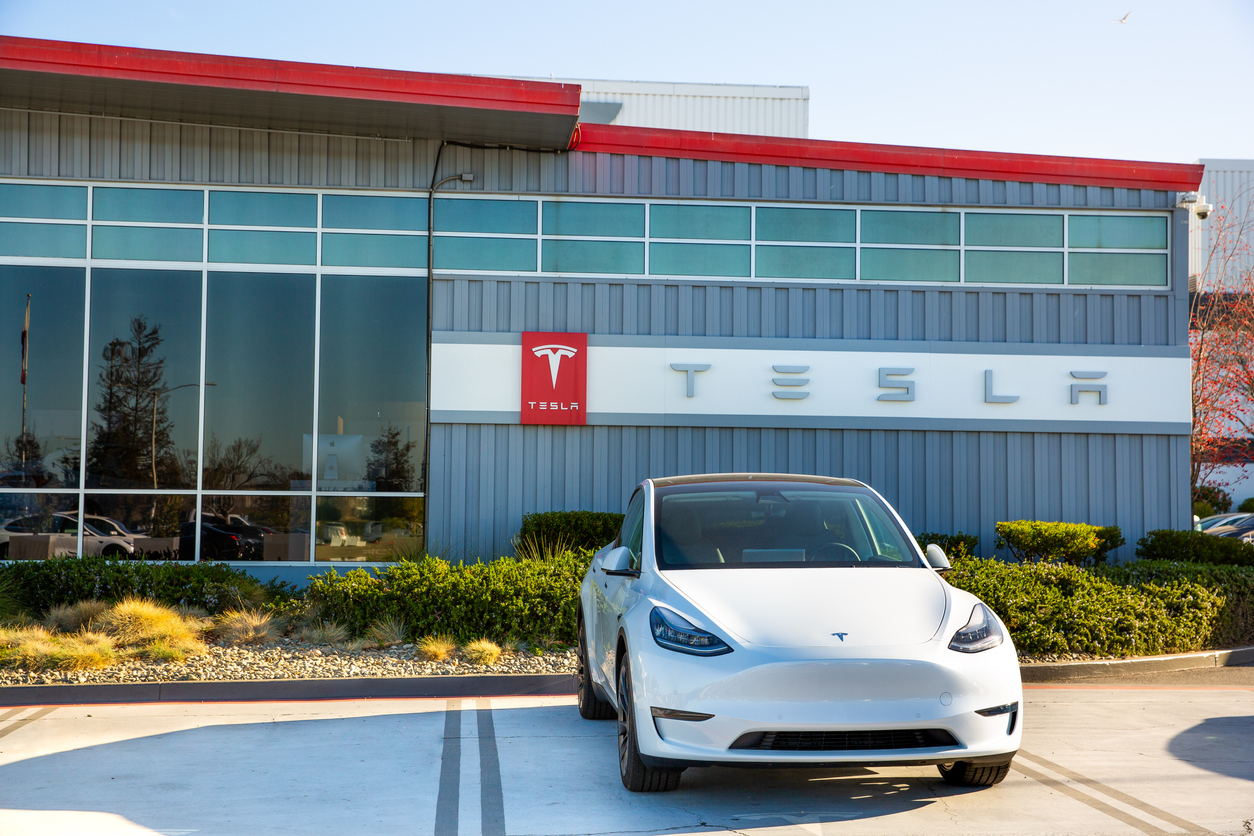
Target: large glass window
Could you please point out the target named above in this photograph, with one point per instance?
(38, 526)
(19, 200)
(43, 240)
(347, 249)
(366, 212)
(249, 246)
(1013, 230)
(146, 243)
(369, 529)
(507, 216)
(144, 375)
(610, 220)
(910, 227)
(372, 385)
(909, 265)
(806, 262)
(1120, 233)
(263, 209)
(263, 527)
(259, 358)
(479, 253)
(1019, 267)
(168, 206)
(154, 526)
(1117, 269)
(593, 256)
(699, 259)
(732, 223)
(41, 408)
(836, 225)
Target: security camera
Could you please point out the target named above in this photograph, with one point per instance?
(1196, 202)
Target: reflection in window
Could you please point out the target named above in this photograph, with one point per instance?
(1107, 232)
(37, 526)
(910, 265)
(39, 446)
(271, 527)
(364, 529)
(366, 212)
(667, 259)
(372, 384)
(153, 526)
(43, 240)
(259, 356)
(144, 372)
(172, 206)
(263, 209)
(694, 221)
(910, 227)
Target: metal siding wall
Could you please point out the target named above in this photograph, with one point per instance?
(938, 481)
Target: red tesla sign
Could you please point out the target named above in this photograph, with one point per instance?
(554, 378)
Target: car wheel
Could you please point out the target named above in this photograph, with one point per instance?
(591, 707)
(636, 776)
(4, 550)
(967, 774)
(114, 551)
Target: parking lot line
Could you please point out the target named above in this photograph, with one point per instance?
(22, 721)
(1085, 798)
(491, 797)
(447, 801)
(1149, 809)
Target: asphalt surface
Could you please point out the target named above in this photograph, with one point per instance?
(1168, 753)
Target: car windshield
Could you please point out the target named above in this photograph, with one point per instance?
(732, 525)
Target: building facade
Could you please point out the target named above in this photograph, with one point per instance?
(232, 318)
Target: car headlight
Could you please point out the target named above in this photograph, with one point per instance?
(674, 632)
(981, 632)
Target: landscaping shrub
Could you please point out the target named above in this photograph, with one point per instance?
(1194, 547)
(1215, 497)
(482, 652)
(436, 648)
(1247, 505)
(388, 632)
(39, 585)
(581, 529)
(236, 627)
(955, 545)
(505, 599)
(1234, 626)
(1053, 608)
(1202, 510)
(1076, 544)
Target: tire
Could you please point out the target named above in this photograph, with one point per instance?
(636, 776)
(4, 550)
(967, 774)
(113, 552)
(591, 707)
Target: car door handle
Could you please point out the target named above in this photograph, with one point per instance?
(620, 617)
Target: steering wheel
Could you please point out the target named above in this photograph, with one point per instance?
(836, 552)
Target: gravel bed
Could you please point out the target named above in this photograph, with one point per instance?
(1066, 657)
(290, 659)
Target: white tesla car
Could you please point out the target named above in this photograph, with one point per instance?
(772, 619)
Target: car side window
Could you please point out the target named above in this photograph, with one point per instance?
(632, 535)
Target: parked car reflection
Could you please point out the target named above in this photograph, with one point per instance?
(102, 536)
(216, 543)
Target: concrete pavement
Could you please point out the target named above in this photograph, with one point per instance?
(1113, 757)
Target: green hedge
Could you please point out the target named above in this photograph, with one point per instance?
(507, 598)
(1234, 626)
(955, 546)
(1052, 608)
(577, 529)
(41, 584)
(1194, 547)
(1077, 544)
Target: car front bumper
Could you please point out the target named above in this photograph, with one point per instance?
(927, 687)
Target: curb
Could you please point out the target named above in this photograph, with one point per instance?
(1064, 671)
(290, 690)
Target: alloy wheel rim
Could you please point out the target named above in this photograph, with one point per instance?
(624, 696)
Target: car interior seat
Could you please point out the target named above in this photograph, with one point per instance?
(681, 538)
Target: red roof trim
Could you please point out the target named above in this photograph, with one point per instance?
(984, 165)
(215, 71)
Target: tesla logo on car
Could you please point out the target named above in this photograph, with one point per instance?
(554, 378)
(840, 636)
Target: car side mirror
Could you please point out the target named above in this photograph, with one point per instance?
(618, 562)
(936, 558)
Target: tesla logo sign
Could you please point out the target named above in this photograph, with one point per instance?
(840, 636)
(554, 378)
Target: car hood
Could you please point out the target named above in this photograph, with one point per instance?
(810, 607)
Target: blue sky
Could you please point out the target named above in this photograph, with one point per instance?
(1060, 77)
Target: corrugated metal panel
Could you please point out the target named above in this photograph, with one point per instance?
(36, 144)
(484, 478)
(1229, 186)
(805, 311)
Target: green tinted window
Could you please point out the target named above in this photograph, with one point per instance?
(263, 209)
(1096, 231)
(19, 201)
(687, 221)
(175, 206)
(805, 225)
(806, 262)
(593, 257)
(51, 240)
(909, 265)
(1117, 268)
(910, 227)
(1012, 267)
(146, 243)
(510, 216)
(485, 253)
(341, 249)
(363, 212)
(699, 259)
(617, 220)
(1011, 230)
(252, 247)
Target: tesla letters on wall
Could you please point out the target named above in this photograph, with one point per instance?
(554, 378)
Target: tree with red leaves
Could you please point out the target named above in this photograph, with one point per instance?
(1221, 341)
